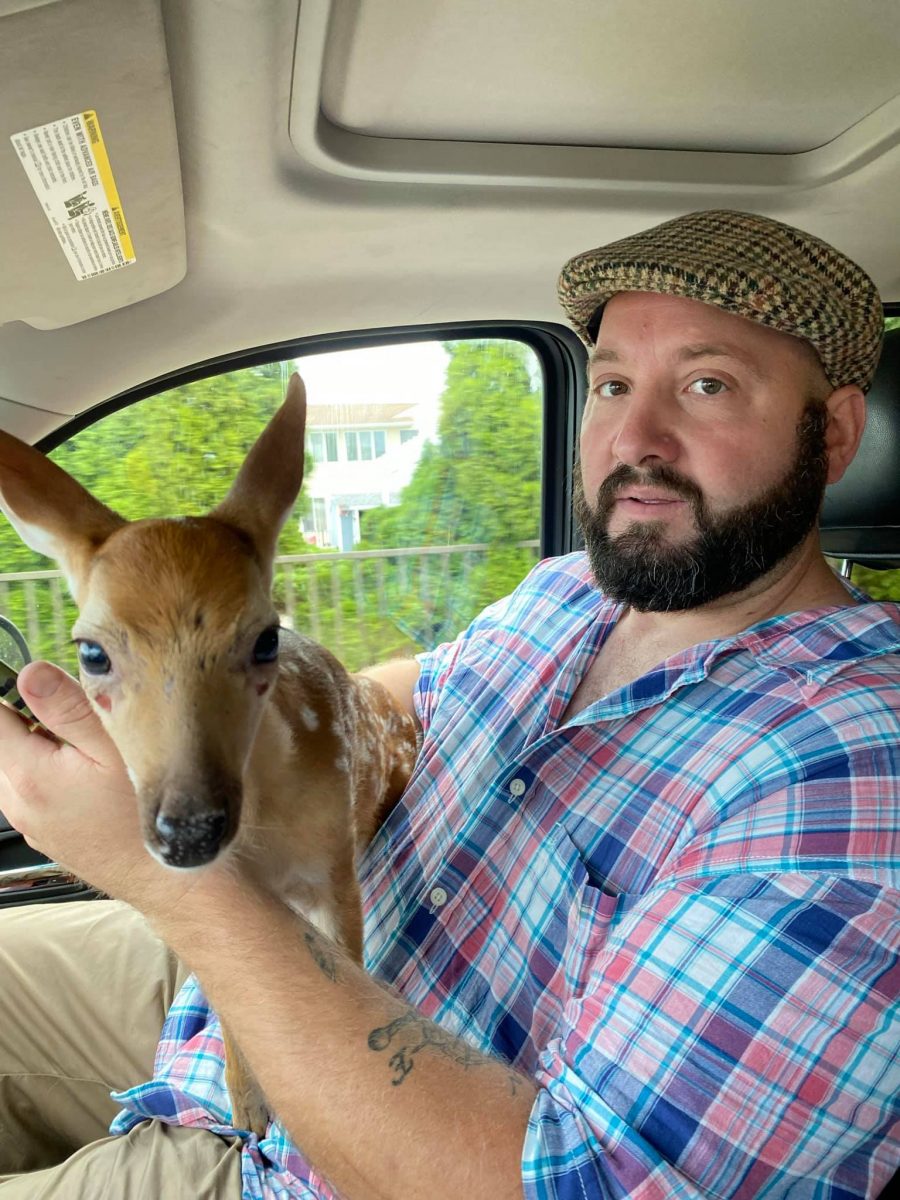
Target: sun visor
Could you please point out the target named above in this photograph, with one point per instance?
(90, 182)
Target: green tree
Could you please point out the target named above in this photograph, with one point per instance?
(177, 453)
(880, 585)
(479, 483)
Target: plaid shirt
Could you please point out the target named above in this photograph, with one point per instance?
(678, 912)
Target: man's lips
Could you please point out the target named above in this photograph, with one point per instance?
(649, 500)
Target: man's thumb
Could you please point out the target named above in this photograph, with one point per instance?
(58, 702)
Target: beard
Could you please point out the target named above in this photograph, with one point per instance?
(730, 550)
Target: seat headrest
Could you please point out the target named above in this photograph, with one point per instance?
(861, 514)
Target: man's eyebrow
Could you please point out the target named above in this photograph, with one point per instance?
(724, 351)
(604, 354)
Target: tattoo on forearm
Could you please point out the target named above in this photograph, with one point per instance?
(416, 1033)
(515, 1082)
(324, 958)
(410, 1034)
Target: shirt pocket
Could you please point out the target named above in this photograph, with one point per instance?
(594, 913)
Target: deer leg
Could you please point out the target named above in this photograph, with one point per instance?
(351, 921)
(248, 1105)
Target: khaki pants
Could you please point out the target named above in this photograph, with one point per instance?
(84, 990)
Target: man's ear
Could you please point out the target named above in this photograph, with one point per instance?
(846, 421)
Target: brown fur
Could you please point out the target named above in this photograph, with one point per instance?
(296, 761)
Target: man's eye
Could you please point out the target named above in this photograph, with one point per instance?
(707, 386)
(610, 387)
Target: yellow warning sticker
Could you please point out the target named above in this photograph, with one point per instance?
(69, 169)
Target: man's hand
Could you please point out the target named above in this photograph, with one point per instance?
(72, 799)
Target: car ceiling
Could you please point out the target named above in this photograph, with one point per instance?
(289, 170)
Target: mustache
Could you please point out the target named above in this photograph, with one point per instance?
(661, 476)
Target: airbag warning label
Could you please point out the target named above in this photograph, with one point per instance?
(67, 164)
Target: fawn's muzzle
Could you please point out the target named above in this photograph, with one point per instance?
(191, 810)
(190, 841)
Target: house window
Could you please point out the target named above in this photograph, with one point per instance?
(365, 444)
(323, 445)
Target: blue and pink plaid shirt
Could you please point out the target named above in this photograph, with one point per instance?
(678, 912)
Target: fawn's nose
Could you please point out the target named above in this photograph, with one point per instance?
(192, 840)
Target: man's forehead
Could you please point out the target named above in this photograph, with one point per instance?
(692, 330)
(660, 310)
(684, 352)
(688, 353)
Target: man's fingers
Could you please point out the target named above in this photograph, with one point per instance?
(17, 731)
(57, 700)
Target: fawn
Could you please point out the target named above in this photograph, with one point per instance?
(239, 737)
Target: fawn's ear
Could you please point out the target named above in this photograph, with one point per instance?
(50, 511)
(262, 496)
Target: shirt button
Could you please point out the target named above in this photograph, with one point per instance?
(517, 787)
(438, 897)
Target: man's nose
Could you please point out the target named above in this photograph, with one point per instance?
(646, 430)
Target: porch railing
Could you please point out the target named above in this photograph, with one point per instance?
(364, 605)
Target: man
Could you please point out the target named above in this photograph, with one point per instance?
(631, 930)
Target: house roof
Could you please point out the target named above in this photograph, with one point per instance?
(358, 416)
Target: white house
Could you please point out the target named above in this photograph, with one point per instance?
(363, 455)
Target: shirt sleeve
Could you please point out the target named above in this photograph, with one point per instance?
(735, 1036)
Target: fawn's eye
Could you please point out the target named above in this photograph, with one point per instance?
(94, 658)
(265, 650)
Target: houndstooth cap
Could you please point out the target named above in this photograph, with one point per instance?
(750, 266)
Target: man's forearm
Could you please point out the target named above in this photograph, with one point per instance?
(399, 676)
(382, 1101)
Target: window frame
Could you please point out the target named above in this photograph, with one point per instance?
(561, 354)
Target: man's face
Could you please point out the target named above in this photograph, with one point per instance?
(703, 458)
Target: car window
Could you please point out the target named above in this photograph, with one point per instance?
(420, 502)
(880, 585)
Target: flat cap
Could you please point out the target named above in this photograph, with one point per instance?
(748, 265)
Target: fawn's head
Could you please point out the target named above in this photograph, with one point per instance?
(177, 634)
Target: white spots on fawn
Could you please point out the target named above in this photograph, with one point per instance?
(309, 717)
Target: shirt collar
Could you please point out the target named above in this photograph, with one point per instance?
(811, 645)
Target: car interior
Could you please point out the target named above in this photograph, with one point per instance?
(203, 196)
(200, 196)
